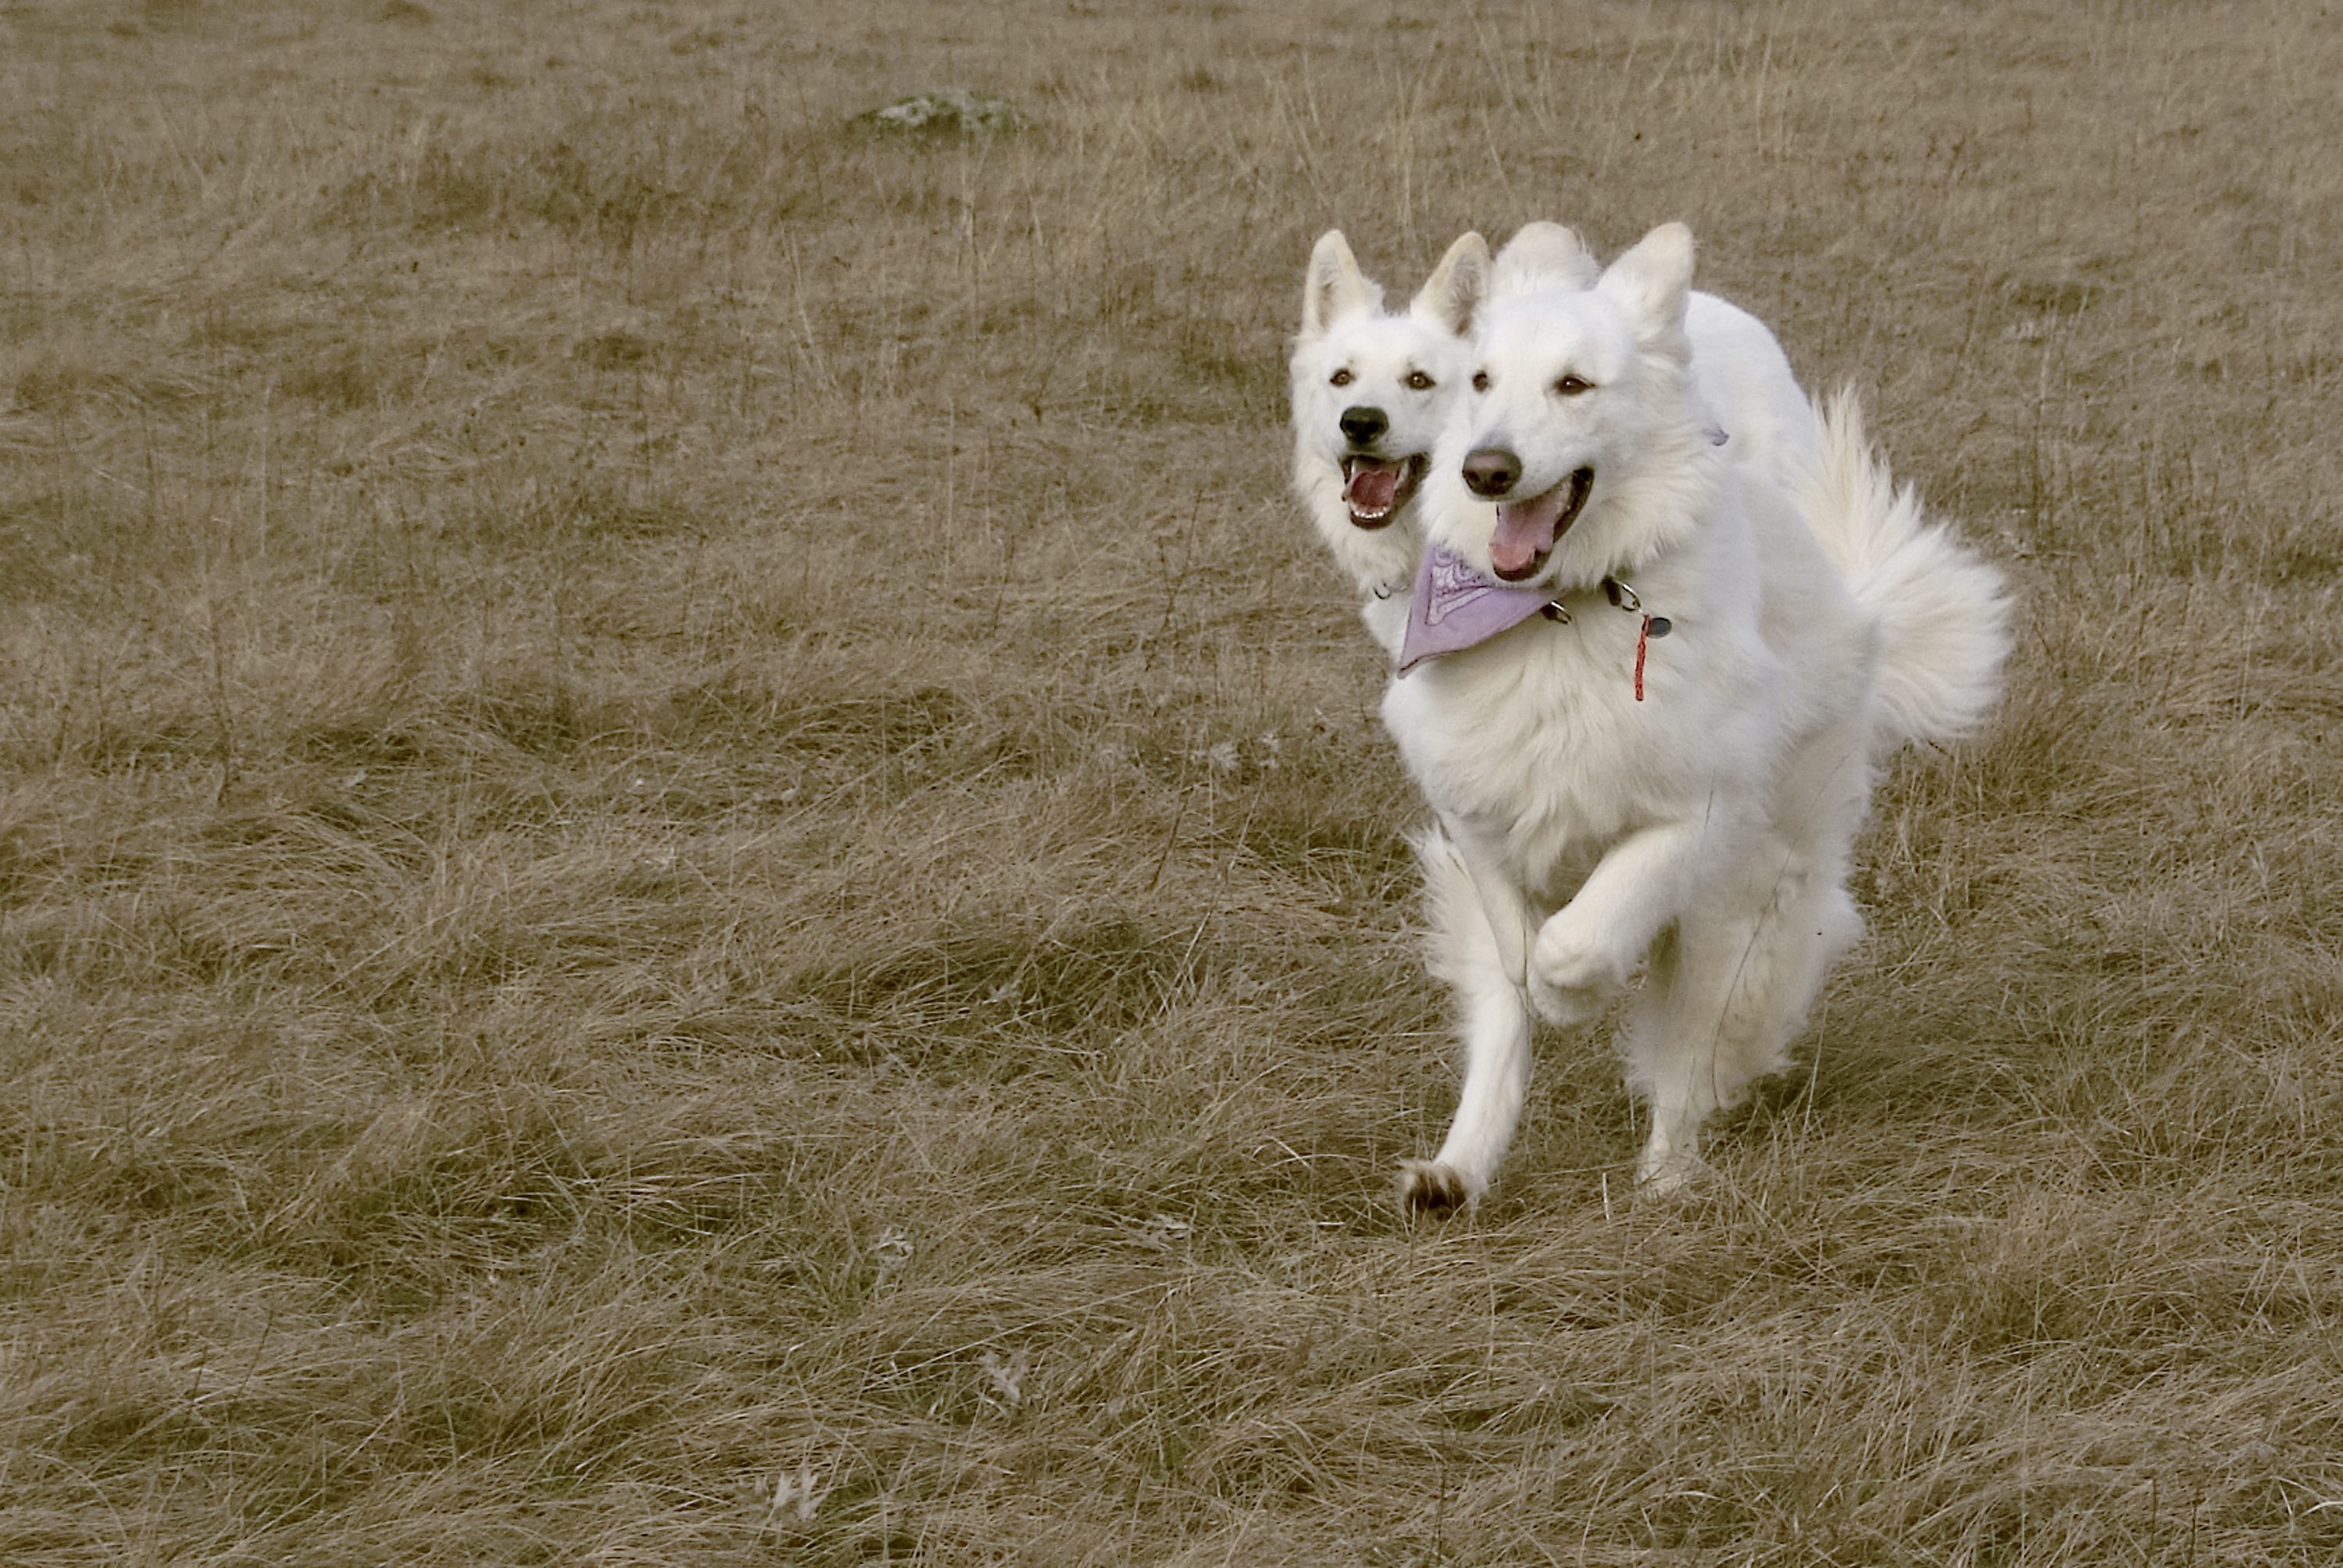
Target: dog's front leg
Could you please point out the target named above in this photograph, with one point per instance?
(1586, 949)
(1480, 926)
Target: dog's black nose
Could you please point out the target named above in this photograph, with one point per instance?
(1361, 424)
(1491, 472)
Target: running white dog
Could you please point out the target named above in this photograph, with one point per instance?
(1649, 676)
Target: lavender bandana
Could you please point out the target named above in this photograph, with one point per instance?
(1457, 608)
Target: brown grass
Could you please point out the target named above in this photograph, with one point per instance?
(694, 867)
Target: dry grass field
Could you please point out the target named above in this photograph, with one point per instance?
(695, 865)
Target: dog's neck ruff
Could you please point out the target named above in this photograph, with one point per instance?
(1454, 607)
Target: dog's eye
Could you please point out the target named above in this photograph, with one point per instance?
(1480, 381)
(1571, 385)
(1417, 381)
(1342, 378)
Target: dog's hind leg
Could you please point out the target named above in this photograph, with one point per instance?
(1732, 988)
(1726, 992)
(1466, 913)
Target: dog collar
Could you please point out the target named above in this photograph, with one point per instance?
(1454, 607)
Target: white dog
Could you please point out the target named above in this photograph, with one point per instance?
(1668, 765)
(1372, 392)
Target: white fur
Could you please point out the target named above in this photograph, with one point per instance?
(1704, 832)
(1347, 334)
(1941, 609)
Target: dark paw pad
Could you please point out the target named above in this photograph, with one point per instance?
(1428, 1187)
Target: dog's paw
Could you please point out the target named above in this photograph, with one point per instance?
(1571, 957)
(1428, 1187)
(1564, 1006)
(1670, 1177)
(1571, 977)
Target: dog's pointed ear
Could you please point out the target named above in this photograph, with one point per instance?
(1452, 295)
(1654, 280)
(1542, 256)
(1335, 288)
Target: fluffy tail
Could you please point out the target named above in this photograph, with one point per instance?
(1944, 611)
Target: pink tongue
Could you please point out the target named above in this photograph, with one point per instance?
(1373, 488)
(1524, 528)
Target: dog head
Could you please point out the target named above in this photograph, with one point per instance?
(1372, 392)
(1579, 435)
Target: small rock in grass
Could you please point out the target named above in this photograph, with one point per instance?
(951, 112)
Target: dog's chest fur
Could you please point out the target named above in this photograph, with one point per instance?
(1537, 745)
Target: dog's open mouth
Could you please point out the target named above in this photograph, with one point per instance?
(1528, 531)
(1376, 488)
